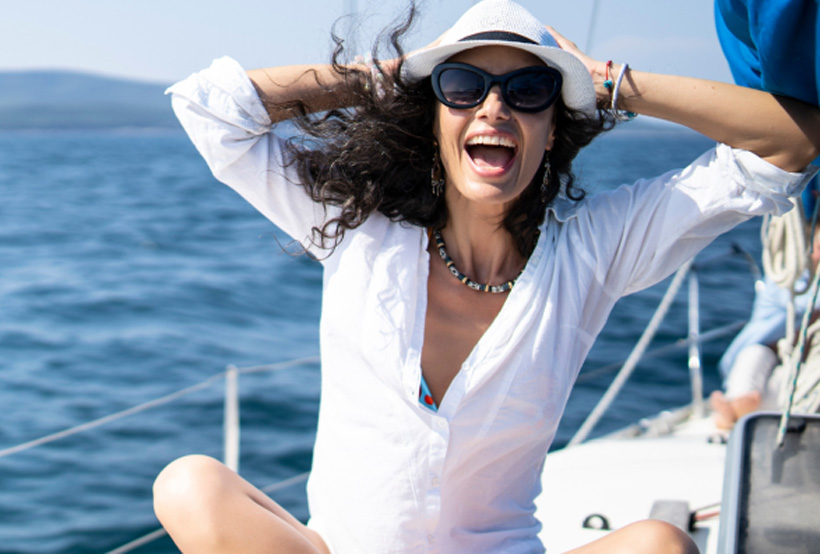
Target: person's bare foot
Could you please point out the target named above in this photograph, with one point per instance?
(724, 415)
(746, 404)
(727, 412)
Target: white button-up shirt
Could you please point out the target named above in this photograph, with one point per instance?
(390, 475)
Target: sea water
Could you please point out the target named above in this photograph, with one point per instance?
(128, 273)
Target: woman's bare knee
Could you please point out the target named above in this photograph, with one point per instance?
(658, 536)
(206, 507)
(187, 492)
(643, 537)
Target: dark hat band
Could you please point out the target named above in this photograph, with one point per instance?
(498, 35)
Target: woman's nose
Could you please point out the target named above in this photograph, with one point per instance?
(494, 107)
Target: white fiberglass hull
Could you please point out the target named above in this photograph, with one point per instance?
(620, 477)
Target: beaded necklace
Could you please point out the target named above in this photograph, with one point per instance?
(463, 278)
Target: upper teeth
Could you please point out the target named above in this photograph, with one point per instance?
(491, 140)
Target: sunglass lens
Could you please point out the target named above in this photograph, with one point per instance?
(461, 87)
(531, 90)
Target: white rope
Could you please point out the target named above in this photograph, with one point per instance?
(807, 329)
(784, 261)
(784, 247)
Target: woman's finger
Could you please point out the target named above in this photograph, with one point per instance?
(595, 67)
(564, 42)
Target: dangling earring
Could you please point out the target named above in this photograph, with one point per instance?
(437, 176)
(545, 182)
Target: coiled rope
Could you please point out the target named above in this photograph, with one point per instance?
(784, 262)
(784, 246)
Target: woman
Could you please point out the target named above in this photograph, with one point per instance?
(440, 400)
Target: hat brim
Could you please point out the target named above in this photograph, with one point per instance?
(577, 91)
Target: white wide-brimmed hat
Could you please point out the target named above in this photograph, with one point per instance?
(505, 23)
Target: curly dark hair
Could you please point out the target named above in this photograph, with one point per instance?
(378, 154)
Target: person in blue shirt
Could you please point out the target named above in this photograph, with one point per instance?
(764, 42)
(770, 45)
(750, 359)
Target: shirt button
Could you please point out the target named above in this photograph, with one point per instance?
(441, 424)
(435, 482)
(431, 539)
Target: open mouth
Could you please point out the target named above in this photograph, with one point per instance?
(491, 152)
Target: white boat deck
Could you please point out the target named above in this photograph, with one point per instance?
(621, 478)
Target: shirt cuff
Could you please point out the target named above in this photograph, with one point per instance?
(762, 178)
(227, 93)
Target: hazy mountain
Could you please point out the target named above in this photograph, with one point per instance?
(70, 100)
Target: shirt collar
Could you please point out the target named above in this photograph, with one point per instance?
(562, 208)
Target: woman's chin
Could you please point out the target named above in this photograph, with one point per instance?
(486, 194)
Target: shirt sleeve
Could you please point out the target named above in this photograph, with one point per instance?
(640, 234)
(221, 111)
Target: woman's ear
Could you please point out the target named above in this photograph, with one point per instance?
(551, 139)
(436, 123)
(551, 136)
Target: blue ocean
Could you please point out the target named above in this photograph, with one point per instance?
(127, 273)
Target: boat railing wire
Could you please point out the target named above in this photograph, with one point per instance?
(155, 403)
(692, 341)
(231, 391)
(231, 427)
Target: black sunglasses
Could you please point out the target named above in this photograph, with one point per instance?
(530, 89)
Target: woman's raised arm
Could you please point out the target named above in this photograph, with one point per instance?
(318, 87)
(783, 131)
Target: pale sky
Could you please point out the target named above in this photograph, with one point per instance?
(165, 40)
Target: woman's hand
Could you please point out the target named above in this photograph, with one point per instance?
(389, 66)
(784, 131)
(431, 45)
(596, 68)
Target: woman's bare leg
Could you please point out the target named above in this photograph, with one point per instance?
(643, 537)
(207, 508)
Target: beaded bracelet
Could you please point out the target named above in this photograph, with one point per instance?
(616, 89)
(375, 72)
(607, 80)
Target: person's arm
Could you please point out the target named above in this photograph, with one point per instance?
(319, 87)
(782, 131)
